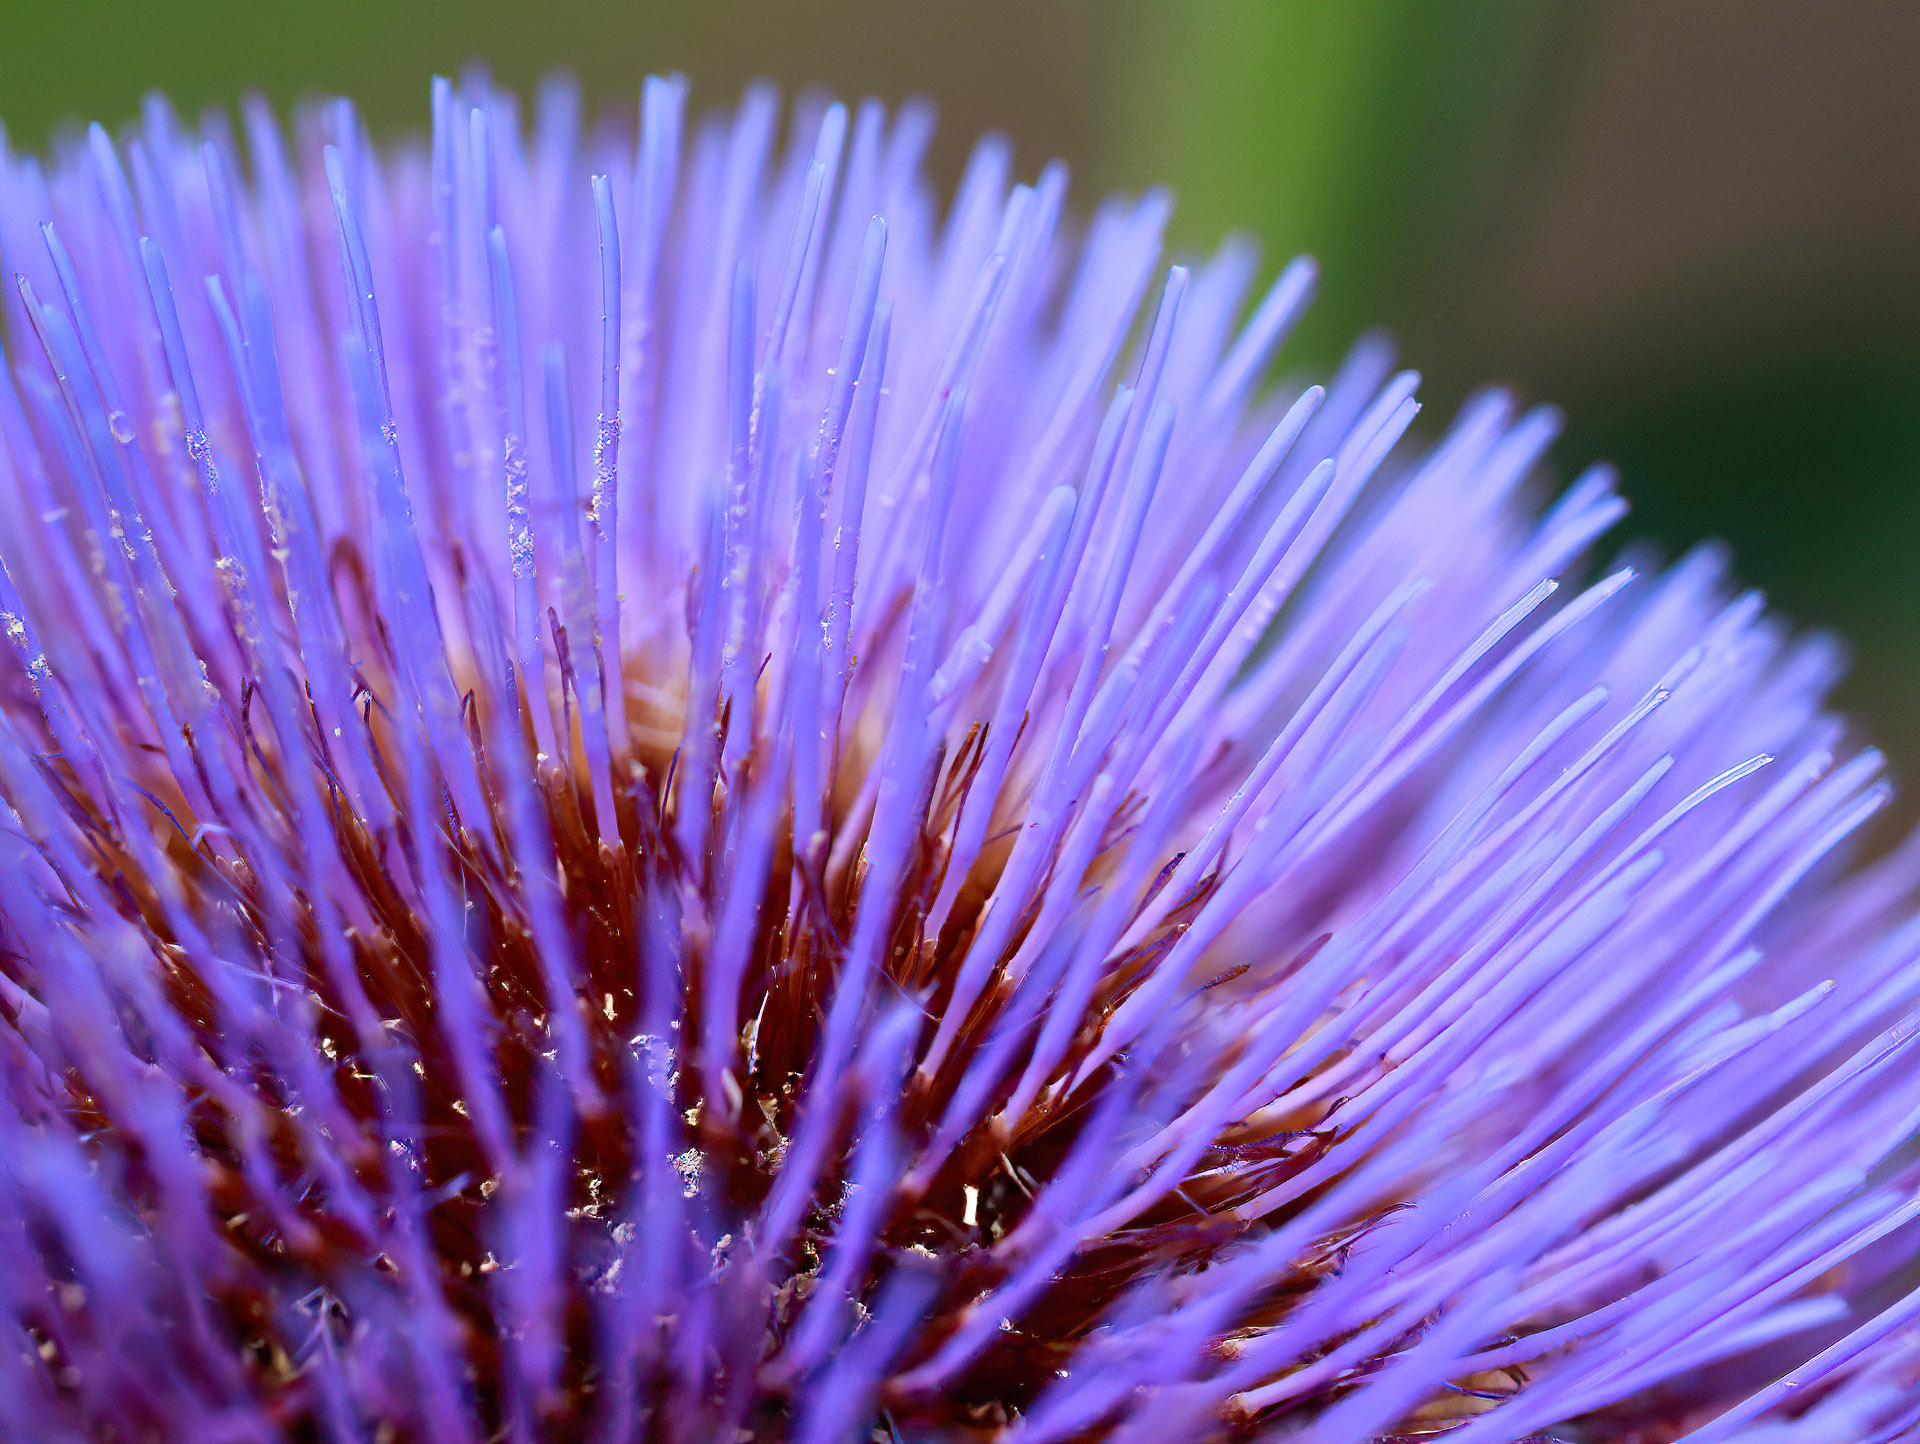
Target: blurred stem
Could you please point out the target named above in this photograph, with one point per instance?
(1376, 134)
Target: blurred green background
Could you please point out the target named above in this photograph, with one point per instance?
(1694, 223)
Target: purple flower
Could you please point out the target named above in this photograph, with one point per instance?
(655, 791)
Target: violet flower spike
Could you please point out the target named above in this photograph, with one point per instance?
(655, 791)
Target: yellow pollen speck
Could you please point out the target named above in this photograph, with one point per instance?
(689, 1164)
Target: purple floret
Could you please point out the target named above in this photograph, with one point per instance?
(656, 790)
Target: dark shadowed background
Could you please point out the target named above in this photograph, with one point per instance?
(1694, 223)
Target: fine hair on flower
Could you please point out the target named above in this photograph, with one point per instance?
(660, 787)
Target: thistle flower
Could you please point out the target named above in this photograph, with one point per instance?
(654, 792)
